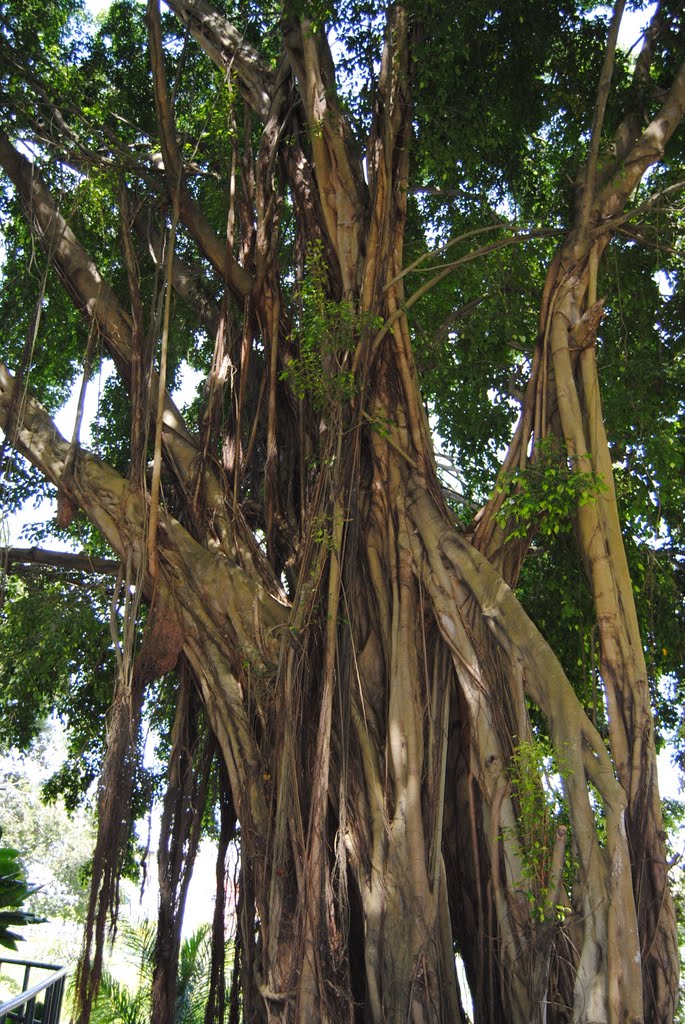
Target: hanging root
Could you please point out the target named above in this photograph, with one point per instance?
(114, 815)
(158, 654)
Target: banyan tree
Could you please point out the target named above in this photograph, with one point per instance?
(378, 232)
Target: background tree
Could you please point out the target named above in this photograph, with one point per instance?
(335, 656)
(55, 847)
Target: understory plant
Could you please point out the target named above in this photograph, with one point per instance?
(14, 891)
(121, 1003)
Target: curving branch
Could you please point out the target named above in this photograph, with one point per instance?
(229, 50)
(647, 150)
(234, 604)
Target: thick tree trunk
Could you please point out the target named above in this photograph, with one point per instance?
(564, 397)
(429, 589)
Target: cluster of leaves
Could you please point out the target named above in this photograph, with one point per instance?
(674, 825)
(557, 598)
(14, 891)
(56, 658)
(325, 332)
(474, 364)
(536, 781)
(544, 495)
(58, 844)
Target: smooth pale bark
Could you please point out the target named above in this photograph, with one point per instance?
(565, 398)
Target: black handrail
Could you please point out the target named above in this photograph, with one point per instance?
(25, 1008)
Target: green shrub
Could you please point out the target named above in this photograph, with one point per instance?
(14, 891)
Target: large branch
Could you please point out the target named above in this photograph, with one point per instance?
(93, 296)
(631, 127)
(48, 124)
(648, 149)
(227, 48)
(49, 120)
(231, 602)
(75, 561)
(49, 127)
(216, 250)
(78, 273)
(200, 600)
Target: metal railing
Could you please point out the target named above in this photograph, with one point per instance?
(40, 1003)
